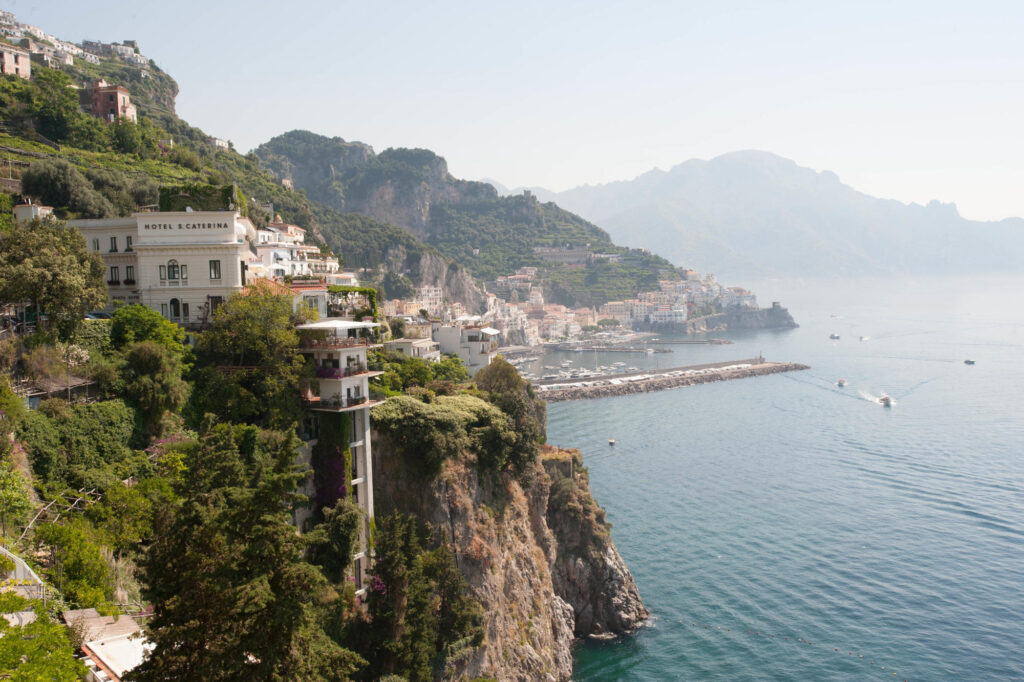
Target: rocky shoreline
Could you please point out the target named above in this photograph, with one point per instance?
(661, 382)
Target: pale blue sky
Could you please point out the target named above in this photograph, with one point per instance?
(908, 100)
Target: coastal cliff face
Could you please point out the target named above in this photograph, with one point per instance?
(775, 317)
(537, 556)
(432, 269)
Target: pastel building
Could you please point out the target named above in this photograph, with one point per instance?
(15, 61)
(181, 264)
(475, 345)
(109, 102)
(424, 349)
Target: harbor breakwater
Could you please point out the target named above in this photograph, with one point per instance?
(613, 385)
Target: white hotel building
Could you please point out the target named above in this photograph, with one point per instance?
(183, 265)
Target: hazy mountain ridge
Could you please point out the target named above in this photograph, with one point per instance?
(753, 213)
(465, 220)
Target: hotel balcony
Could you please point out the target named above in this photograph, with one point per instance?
(338, 403)
(337, 343)
(343, 372)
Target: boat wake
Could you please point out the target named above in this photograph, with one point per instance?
(871, 398)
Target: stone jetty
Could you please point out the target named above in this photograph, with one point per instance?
(660, 380)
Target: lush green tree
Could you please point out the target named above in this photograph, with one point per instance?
(55, 105)
(450, 369)
(15, 495)
(334, 541)
(48, 265)
(79, 569)
(58, 183)
(515, 396)
(185, 157)
(426, 434)
(136, 322)
(397, 325)
(127, 137)
(39, 650)
(418, 602)
(153, 382)
(81, 445)
(232, 596)
(248, 363)
(124, 193)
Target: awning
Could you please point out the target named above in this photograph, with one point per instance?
(338, 324)
(489, 330)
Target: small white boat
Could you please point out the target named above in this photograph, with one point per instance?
(834, 337)
(841, 383)
(611, 441)
(885, 401)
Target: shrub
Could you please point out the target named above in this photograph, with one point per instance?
(58, 183)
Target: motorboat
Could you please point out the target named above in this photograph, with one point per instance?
(968, 362)
(611, 441)
(841, 383)
(885, 401)
(834, 337)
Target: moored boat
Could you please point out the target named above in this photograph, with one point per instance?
(968, 362)
(841, 383)
(885, 401)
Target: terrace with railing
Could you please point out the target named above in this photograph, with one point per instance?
(335, 343)
(338, 403)
(341, 372)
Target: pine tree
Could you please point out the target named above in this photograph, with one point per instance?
(233, 597)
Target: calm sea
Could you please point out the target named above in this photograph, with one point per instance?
(781, 528)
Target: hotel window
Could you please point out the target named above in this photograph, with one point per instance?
(215, 269)
(128, 243)
(113, 245)
(184, 271)
(174, 271)
(113, 274)
(184, 310)
(129, 273)
(163, 273)
(95, 244)
(163, 309)
(215, 302)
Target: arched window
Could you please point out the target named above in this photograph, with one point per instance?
(172, 269)
(175, 309)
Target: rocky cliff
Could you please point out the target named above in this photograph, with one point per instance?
(431, 269)
(537, 555)
(775, 317)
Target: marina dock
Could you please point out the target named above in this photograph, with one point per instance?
(658, 380)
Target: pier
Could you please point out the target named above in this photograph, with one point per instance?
(659, 380)
(567, 347)
(691, 342)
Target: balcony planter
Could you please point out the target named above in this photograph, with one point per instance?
(329, 372)
(129, 281)
(113, 282)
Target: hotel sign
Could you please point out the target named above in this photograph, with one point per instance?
(189, 225)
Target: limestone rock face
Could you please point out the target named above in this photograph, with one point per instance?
(539, 584)
(432, 269)
(588, 571)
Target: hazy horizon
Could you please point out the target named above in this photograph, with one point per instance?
(912, 102)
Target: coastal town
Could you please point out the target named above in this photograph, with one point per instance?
(181, 266)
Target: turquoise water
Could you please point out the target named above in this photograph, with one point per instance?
(781, 528)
